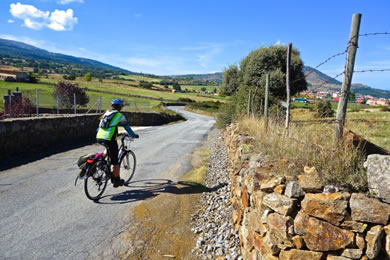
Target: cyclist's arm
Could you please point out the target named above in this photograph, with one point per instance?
(130, 131)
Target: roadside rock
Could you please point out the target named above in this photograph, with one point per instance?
(279, 203)
(320, 235)
(294, 190)
(295, 254)
(310, 181)
(331, 207)
(367, 209)
(378, 176)
(278, 229)
(374, 241)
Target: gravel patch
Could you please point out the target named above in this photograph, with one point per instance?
(213, 221)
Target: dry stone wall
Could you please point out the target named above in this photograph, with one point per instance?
(33, 135)
(297, 218)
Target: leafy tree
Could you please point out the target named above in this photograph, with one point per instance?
(65, 91)
(231, 79)
(203, 89)
(176, 86)
(88, 77)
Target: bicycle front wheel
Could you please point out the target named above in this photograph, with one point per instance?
(96, 181)
(127, 163)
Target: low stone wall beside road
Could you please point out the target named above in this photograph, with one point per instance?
(282, 218)
(33, 135)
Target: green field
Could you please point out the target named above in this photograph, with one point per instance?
(46, 88)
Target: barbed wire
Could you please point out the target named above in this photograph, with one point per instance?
(375, 33)
(327, 81)
(372, 70)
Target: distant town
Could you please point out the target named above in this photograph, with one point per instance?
(309, 97)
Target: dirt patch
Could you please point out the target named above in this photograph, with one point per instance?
(163, 229)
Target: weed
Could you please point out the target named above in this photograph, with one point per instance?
(311, 145)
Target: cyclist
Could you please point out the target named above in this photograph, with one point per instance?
(107, 133)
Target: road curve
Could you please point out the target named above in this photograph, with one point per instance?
(44, 216)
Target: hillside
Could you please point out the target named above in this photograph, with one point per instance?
(24, 55)
(316, 78)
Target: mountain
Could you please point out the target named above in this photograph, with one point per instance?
(14, 49)
(316, 79)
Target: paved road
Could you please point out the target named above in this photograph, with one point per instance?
(44, 216)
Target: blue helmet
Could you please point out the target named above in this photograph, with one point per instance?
(117, 101)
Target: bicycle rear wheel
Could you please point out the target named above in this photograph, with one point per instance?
(127, 163)
(96, 181)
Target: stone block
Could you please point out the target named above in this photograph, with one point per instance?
(295, 254)
(279, 203)
(320, 235)
(331, 207)
(365, 209)
(378, 176)
(374, 241)
(294, 190)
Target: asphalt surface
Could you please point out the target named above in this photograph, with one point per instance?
(44, 216)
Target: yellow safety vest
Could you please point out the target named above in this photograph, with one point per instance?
(107, 133)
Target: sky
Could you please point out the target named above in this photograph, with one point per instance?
(171, 37)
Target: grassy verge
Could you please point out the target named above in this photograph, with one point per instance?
(308, 145)
(371, 123)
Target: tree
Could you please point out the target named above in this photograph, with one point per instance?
(203, 89)
(65, 91)
(88, 77)
(251, 77)
(230, 80)
(176, 86)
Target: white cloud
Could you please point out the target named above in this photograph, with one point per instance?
(33, 18)
(278, 42)
(10, 21)
(65, 2)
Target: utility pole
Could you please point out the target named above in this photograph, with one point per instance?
(288, 87)
(266, 102)
(348, 72)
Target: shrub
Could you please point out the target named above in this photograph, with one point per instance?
(145, 84)
(24, 107)
(225, 115)
(186, 100)
(323, 108)
(385, 109)
(65, 91)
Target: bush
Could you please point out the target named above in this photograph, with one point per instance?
(225, 115)
(323, 109)
(186, 100)
(385, 109)
(65, 91)
(145, 84)
(25, 107)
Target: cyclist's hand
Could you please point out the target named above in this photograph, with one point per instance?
(136, 136)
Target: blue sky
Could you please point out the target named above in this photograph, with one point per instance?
(186, 36)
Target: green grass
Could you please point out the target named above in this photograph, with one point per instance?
(116, 86)
(370, 122)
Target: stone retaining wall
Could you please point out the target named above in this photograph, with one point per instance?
(30, 135)
(285, 218)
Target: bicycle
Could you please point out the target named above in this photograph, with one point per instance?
(98, 172)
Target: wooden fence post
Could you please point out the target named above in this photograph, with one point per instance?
(249, 102)
(266, 98)
(349, 66)
(288, 87)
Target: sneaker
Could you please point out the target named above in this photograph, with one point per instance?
(116, 181)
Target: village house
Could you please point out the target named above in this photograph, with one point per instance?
(16, 75)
